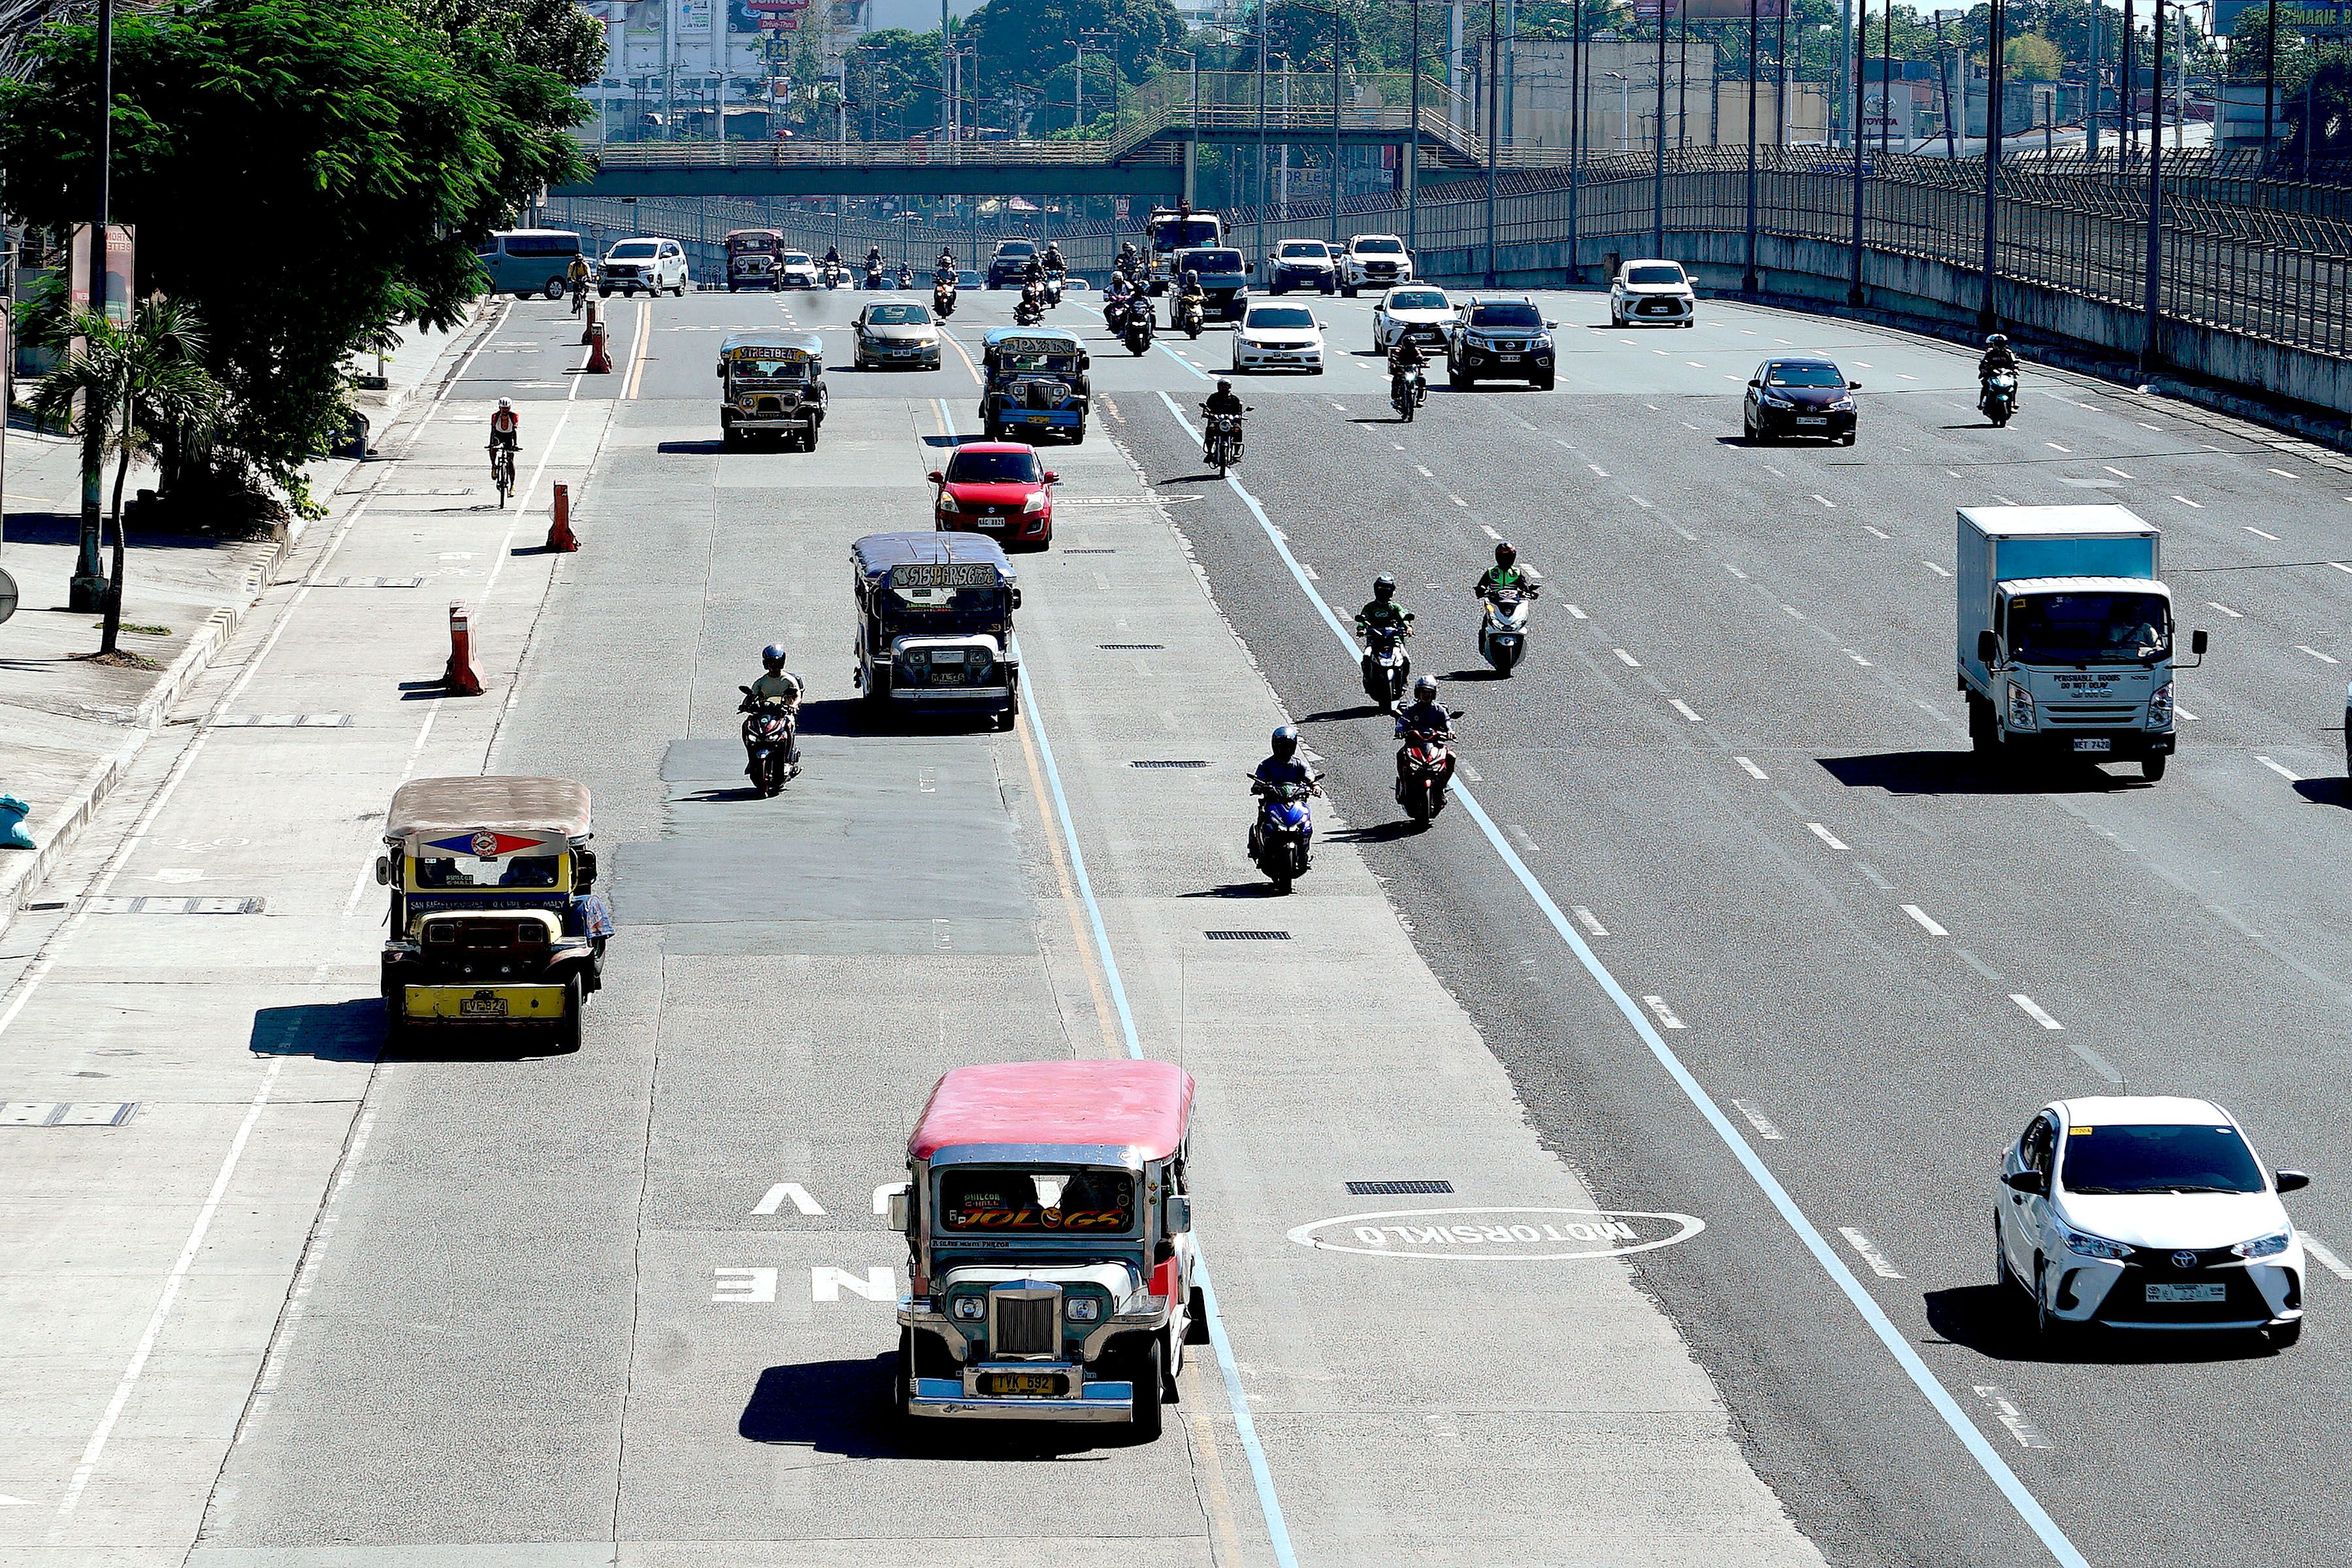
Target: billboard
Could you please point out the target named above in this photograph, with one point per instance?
(2313, 19)
(1731, 10)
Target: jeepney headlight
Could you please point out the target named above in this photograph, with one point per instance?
(970, 1309)
(2160, 708)
(1083, 1309)
(2020, 707)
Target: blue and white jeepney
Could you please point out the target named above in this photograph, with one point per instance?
(1033, 382)
(935, 623)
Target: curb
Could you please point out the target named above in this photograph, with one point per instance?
(64, 828)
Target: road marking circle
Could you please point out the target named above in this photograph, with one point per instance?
(1619, 1232)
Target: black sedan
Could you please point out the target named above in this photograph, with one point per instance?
(1809, 398)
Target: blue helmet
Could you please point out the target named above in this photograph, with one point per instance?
(773, 654)
(1285, 742)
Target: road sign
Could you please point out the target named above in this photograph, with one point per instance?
(2313, 19)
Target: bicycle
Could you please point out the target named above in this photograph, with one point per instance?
(502, 472)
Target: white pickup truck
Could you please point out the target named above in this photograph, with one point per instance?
(2065, 635)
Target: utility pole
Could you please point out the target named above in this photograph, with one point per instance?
(1860, 54)
(1412, 153)
(1780, 74)
(1494, 57)
(1335, 125)
(1658, 164)
(2128, 99)
(2091, 104)
(90, 587)
(1886, 82)
(2270, 79)
(947, 69)
(1844, 114)
(1944, 87)
(1579, 64)
(1748, 280)
(2151, 302)
(1988, 317)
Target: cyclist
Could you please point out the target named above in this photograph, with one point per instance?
(577, 275)
(506, 436)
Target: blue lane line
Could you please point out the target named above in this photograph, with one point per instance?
(1197, 373)
(1277, 1531)
(2028, 1507)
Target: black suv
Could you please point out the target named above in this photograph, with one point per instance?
(1224, 278)
(1011, 263)
(1500, 340)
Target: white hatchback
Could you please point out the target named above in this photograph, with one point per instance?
(1653, 291)
(797, 270)
(1278, 337)
(1418, 310)
(2147, 1212)
(651, 265)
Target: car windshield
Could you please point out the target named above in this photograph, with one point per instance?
(1037, 1202)
(634, 250)
(1281, 315)
(1803, 375)
(1380, 247)
(1213, 261)
(2102, 1161)
(2089, 628)
(992, 469)
(899, 316)
(1417, 300)
(797, 258)
(1654, 275)
(1524, 316)
(1016, 247)
(1307, 250)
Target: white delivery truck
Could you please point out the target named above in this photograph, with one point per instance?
(2065, 633)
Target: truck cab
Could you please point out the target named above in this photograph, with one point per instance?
(1169, 230)
(2066, 635)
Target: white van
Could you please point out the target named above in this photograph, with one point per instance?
(527, 261)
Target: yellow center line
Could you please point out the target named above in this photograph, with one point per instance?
(970, 368)
(637, 349)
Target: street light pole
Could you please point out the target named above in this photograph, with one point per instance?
(1748, 280)
(1335, 125)
(90, 587)
(2150, 356)
(1412, 153)
(2270, 77)
(1988, 317)
(1494, 55)
(1860, 54)
(1658, 170)
(1577, 118)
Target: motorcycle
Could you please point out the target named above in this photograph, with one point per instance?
(1187, 319)
(1138, 332)
(874, 276)
(906, 277)
(1026, 311)
(768, 728)
(943, 299)
(833, 275)
(1387, 667)
(1424, 769)
(1053, 290)
(1407, 393)
(1502, 627)
(1282, 834)
(1114, 309)
(1222, 443)
(1998, 400)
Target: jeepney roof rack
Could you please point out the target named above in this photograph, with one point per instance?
(520, 804)
(1082, 1109)
(877, 553)
(1058, 334)
(808, 344)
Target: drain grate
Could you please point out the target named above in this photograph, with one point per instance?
(371, 583)
(1160, 763)
(1128, 646)
(283, 721)
(1396, 1189)
(153, 906)
(1095, 550)
(48, 1113)
(1247, 935)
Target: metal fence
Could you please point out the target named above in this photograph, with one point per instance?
(2262, 260)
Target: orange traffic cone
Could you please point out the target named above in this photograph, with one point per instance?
(559, 537)
(459, 679)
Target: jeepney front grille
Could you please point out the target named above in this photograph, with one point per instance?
(1028, 1321)
(1047, 394)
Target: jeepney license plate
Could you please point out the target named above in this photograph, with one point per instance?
(1810, 419)
(1044, 1383)
(2187, 1294)
(483, 1008)
(2093, 744)
(1038, 418)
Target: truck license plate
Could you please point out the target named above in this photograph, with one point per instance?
(1045, 1384)
(2187, 1294)
(483, 1008)
(2093, 744)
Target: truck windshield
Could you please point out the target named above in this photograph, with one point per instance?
(1175, 233)
(2089, 628)
(1038, 1203)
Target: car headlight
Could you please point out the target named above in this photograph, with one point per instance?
(947, 503)
(1842, 405)
(970, 1309)
(1770, 399)
(1083, 1309)
(2094, 1245)
(2269, 1246)
(2160, 708)
(2021, 708)
(1034, 503)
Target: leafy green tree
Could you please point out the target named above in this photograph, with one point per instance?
(134, 390)
(302, 173)
(2030, 58)
(1021, 42)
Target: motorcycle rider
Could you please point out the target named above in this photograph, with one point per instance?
(1505, 573)
(1190, 296)
(1128, 262)
(1053, 262)
(1996, 357)
(1424, 714)
(832, 256)
(1406, 360)
(777, 684)
(1383, 612)
(946, 261)
(906, 276)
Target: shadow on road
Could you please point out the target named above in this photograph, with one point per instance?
(1960, 772)
(710, 448)
(346, 1031)
(1234, 890)
(1997, 1320)
(1380, 832)
(2325, 792)
(843, 1407)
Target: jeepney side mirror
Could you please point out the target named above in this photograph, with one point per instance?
(2197, 642)
(1987, 647)
(583, 869)
(899, 1211)
(1017, 598)
(1176, 1214)
(383, 870)
(719, 371)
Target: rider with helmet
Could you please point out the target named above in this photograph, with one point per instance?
(1505, 573)
(505, 426)
(1383, 612)
(1224, 400)
(778, 685)
(1425, 712)
(1053, 262)
(1996, 356)
(1189, 296)
(1284, 765)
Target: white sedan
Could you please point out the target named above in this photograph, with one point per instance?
(2147, 1212)
(1415, 309)
(1655, 292)
(1279, 337)
(797, 271)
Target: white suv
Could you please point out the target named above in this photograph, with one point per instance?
(1652, 291)
(1374, 261)
(651, 265)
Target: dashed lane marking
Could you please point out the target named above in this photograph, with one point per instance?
(1826, 836)
(1667, 1018)
(1927, 921)
(1752, 771)
(2033, 1011)
(1683, 708)
(1631, 662)
(2283, 773)
(1867, 1250)
(1759, 1120)
(1584, 917)
(2233, 615)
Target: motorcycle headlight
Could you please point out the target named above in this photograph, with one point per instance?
(2021, 708)
(2087, 1246)
(2269, 1246)
(1036, 504)
(2160, 708)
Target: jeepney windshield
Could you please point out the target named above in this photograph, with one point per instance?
(1036, 1203)
(439, 871)
(942, 612)
(767, 364)
(1037, 364)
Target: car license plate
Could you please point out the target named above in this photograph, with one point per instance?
(483, 1008)
(2093, 744)
(1044, 1383)
(1803, 419)
(991, 522)
(1508, 359)
(2186, 1294)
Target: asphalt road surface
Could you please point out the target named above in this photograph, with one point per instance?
(1811, 969)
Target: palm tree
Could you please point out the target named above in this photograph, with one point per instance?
(134, 388)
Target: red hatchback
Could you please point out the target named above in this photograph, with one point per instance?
(999, 488)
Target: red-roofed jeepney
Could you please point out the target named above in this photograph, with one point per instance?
(1049, 1240)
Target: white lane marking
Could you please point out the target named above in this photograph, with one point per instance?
(1665, 1015)
(1927, 921)
(1864, 362)
(1826, 836)
(2054, 445)
(1734, 571)
(2184, 501)
(2328, 1259)
(2143, 423)
(1954, 472)
(1896, 1341)
(1488, 532)
(2005, 1411)
(1631, 662)
(2306, 647)
(2033, 1011)
(1425, 473)
(2233, 615)
(1683, 708)
(1640, 502)
(1753, 771)
(1905, 375)
(1825, 500)
(1696, 365)
(1584, 918)
(1572, 609)
(2003, 499)
(2290, 777)
(1779, 475)
(2260, 534)
(1312, 573)
(1794, 611)
(1679, 528)
(1881, 533)
(2117, 472)
(1457, 500)
(2282, 473)
(776, 1195)
(1867, 1250)
(1598, 469)
(1857, 659)
(1939, 571)
(1757, 1119)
